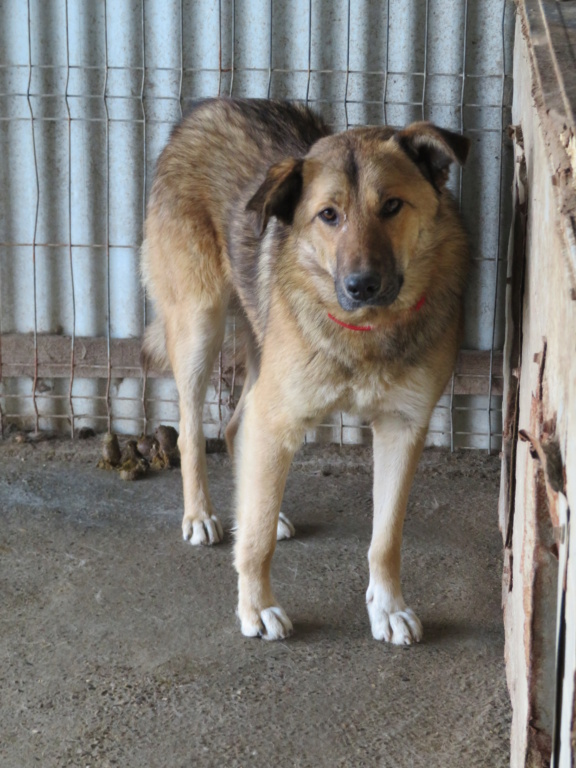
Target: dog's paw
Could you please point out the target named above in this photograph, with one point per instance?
(273, 624)
(390, 619)
(208, 531)
(400, 627)
(285, 529)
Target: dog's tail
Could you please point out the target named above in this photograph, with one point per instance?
(154, 353)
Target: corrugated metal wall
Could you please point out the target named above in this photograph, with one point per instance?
(88, 94)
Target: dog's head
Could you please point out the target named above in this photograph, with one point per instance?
(363, 206)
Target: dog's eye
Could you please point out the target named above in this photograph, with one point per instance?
(329, 216)
(392, 206)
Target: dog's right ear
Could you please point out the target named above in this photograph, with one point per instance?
(278, 194)
(433, 150)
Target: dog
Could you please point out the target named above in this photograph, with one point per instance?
(348, 259)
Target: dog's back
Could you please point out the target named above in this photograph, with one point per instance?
(217, 157)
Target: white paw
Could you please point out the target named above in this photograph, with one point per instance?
(273, 625)
(390, 619)
(400, 627)
(207, 531)
(285, 529)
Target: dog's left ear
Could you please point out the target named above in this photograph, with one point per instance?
(278, 194)
(433, 150)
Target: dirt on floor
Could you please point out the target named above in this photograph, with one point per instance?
(119, 644)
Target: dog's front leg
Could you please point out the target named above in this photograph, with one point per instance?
(398, 444)
(265, 447)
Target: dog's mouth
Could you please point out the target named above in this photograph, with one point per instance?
(367, 289)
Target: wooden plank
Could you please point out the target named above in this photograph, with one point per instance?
(538, 596)
(54, 356)
(472, 373)
(549, 32)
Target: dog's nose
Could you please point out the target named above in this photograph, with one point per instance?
(363, 286)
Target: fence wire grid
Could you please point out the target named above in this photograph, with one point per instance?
(88, 95)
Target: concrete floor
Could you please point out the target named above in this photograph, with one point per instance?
(119, 644)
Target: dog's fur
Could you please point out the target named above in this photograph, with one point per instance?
(308, 230)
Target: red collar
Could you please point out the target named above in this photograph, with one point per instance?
(351, 327)
(419, 304)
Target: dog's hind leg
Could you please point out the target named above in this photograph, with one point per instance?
(194, 337)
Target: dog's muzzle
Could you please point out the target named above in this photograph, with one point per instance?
(361, 289)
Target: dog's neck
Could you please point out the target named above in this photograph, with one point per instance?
(419, 304)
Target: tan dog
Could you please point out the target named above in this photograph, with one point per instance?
(349, 261)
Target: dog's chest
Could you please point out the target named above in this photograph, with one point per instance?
(371, 395)
(369, 392)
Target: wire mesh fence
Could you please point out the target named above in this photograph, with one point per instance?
(88, 95)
